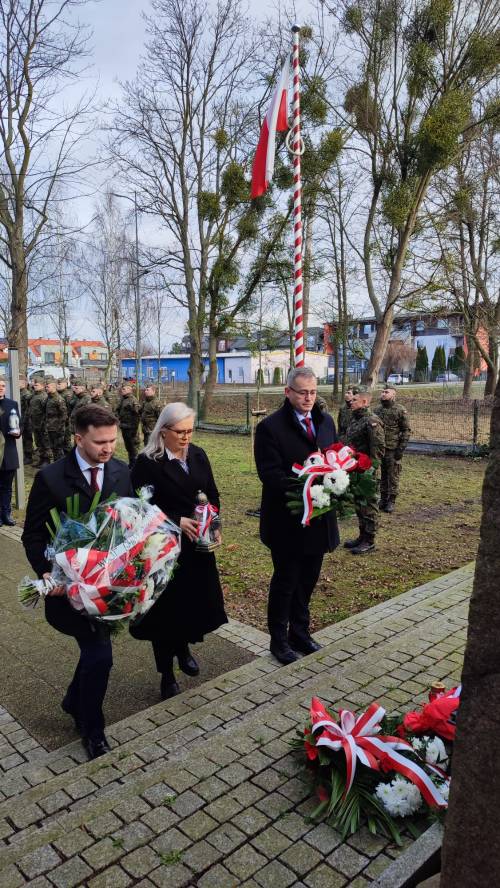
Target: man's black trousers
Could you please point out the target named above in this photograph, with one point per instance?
(86, 692)
(292, 585)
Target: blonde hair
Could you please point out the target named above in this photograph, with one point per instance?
(169, 416)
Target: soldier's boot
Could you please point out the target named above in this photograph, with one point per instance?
(366, 544)
(351, 544)
(383, 505)
(390, 504)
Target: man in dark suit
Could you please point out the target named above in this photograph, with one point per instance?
(10, 461)
(89, 467)
(286, 437)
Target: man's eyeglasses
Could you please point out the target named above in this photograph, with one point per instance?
(304, 392)
(181, 432)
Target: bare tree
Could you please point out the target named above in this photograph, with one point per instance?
(409, 98)
(39, 53)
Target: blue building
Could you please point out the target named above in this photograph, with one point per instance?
(173, 368)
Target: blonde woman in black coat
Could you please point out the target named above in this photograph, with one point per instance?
(192, 604)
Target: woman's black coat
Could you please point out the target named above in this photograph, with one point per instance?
(10, 457)
(192, 604)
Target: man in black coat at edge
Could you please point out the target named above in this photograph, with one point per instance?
(10, 461)
(88, 467)
(286, 437)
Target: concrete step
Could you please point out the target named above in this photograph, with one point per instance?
(245, 689)
(204, 744)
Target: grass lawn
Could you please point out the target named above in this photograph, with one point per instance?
(435, 529)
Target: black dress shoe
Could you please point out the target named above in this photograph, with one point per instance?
(188, 663)
(8, 521)
(168, 687)
(283, 653)
(70, 710)
(305, 646)
(351, 544)
(96, 746)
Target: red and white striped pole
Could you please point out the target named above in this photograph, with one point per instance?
(297, 150)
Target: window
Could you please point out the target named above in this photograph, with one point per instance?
(150, 373)
(420, 327)
(241, 373)
(230, 375)
(49, 357)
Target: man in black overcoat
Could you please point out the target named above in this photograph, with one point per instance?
(10, 461)
(89, 467)
(286, 437)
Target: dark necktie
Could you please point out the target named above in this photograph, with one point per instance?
(94, 487)
(308, 423)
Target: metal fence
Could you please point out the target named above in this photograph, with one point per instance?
(452, 423)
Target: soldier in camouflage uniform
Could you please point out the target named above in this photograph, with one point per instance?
(26, 395)
(37, 416)
(150, 412)
(56, 415)
(397, 434)
(345, 411)
(128, 413)
(81, 397)
(365, 433)
(97, 396)
(65, 392)
(112, 397)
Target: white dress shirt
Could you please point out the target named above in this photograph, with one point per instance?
(301, 417)
(86, 467)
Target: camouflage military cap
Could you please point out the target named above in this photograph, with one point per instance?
(355, 389)
(49, 379)
(362, 390)
(80, 382)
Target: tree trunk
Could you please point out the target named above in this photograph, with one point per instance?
(335, 345)
(211, 380)
(469, 368)
(195, 365)
(492, 371)
(18, 333)
(471, 848)
(382, 336)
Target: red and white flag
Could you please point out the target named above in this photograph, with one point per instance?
(276, 120)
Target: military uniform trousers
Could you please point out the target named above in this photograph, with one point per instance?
(56, 441)
(27, 440)
(42, 443)
(67, 442)
(87, 689)
(132, 444)
(391, 471)
(368, 519)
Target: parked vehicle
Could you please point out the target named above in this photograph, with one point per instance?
(55, 370)
(448, 377)
(397, 379)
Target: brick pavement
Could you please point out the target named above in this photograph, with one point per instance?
(203, 790)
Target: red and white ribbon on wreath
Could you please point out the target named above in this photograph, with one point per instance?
(356, 737)
(318, 465)
(206, 515)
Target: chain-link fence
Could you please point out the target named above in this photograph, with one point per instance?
(452, 422)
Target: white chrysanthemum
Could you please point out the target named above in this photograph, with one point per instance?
(319, 496)
(432, 750)
(336, 482)
(315, 459)
(400, 798)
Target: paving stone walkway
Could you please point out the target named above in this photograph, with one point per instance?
(203, 790)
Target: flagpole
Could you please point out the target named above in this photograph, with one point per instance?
(297, 150)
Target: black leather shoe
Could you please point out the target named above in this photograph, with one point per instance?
(305, 646)
(283, 653)
(96, 746)
(69, 710)
(8, 521)
(188, 663)
(363, 548)
(351, 544)
(169, 687)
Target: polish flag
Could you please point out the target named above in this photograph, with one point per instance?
(276, 120)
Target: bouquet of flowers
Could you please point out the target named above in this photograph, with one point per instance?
(114, 561)
(336, 479)
(362, 771)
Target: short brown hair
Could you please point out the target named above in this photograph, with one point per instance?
(93, 415)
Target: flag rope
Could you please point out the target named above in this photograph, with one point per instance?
(297, 151)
